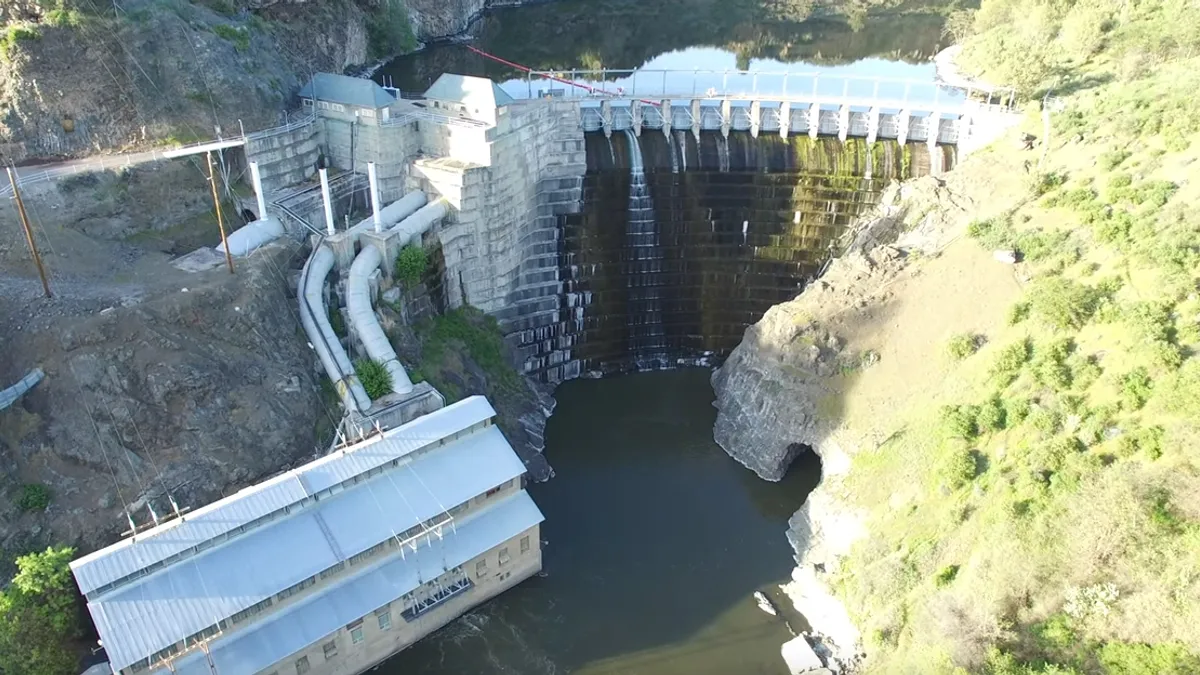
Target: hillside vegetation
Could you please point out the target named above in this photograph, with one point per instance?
(1041, 513)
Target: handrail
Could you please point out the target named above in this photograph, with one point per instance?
(434, 117)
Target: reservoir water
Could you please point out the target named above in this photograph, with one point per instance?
(655, 541)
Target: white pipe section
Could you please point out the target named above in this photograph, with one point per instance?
(358, 293)
(328, 203)
(419, 223)
(397, 210)
(315, 319)
(10, 395)
(256, 178)
(362, 316)
(373, 180)
(246, 240)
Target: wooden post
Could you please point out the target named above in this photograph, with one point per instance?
(212, 178)
(37, 257)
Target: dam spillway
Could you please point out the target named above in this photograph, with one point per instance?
(681, 242)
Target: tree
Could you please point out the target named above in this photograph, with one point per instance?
(39, 616)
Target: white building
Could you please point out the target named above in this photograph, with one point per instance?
(326, 569)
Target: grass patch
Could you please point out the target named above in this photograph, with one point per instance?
(13, 36)
(374, 378)
(238, 36)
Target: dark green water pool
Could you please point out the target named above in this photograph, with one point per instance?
(655, 541)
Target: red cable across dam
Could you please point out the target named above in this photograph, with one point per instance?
(529, 71)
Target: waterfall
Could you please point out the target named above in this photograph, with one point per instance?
(674, 157)
(681, 138)
(723, 153)
(612, 152)
(645, 315)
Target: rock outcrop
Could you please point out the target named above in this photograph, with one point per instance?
(194, 391)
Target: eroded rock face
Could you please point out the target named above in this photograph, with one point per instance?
(769, 388)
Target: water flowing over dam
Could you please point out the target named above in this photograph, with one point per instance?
(681, 241)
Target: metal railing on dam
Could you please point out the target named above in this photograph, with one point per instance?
(774, 102)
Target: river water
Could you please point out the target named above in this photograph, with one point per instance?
(654, 540)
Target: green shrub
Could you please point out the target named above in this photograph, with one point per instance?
(481, 336)
(374, 378)
(1155, 193)
(1041, 183)
(1045, 420)
(994, 233)
(1084, 370)
(1136, 387)
(34, 497)
(1050, 363)
(239, 36)
(958, 421)
(1063, 304)
(1016, 410)
(411, 263)
(14, 35)
(1119, 180)
(389, 31)
(1011, 360)
(39, 617)
(1017, 313)
(963, 345)
(1169, 658)
(1039, 245)
(958, 467)
(945, 576)
(991, 415)
(1052, 455)
(1112, 159)
(1165, 355)
(1150, 321)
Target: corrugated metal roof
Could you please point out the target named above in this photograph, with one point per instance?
(475, 92)
(128, 556)
(356, 91)
(396, 500)
(149, 614)
(261, 645)
(358, 459)
(155, 545)
(142, 618)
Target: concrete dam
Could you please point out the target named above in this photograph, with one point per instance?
(681, 241)
(601, 233)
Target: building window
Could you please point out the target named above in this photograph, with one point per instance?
(330, 649)
(504, 556)
(302, 665)
(333, 570)
(525, 544)
(480, 568)
(493, 491)
(385, 618)
(356, 632)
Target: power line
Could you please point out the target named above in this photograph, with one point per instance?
(100, 441)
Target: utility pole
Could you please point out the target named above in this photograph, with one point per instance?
(212, 178)
(37, 257)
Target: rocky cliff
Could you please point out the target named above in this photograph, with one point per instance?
(821, 372)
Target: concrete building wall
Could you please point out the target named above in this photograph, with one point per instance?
(351, 144)
(378, 643)
(286, 158)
